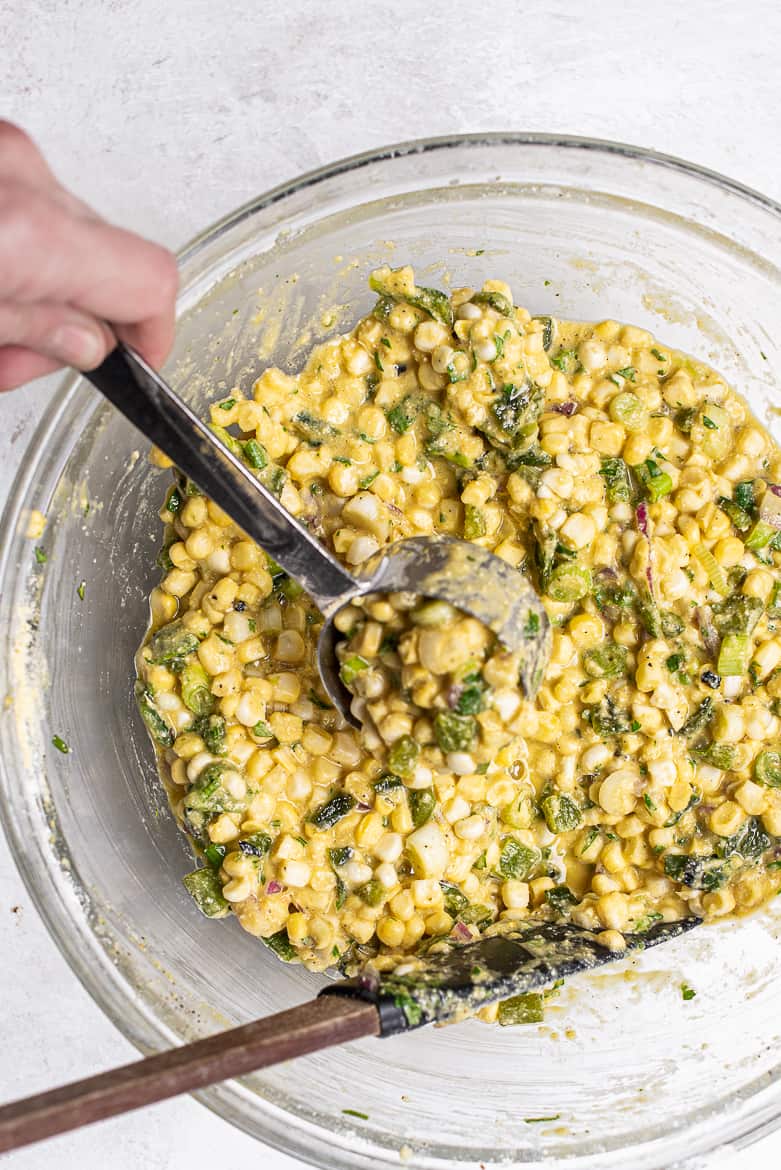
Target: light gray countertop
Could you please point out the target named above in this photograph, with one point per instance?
(165, 116)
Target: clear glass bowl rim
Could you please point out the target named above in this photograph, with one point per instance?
(142, 1031)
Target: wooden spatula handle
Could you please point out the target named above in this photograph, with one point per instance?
(318, 1024)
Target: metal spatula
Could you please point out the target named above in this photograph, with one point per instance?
(445, 986)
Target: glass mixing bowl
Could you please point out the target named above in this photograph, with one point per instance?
(624, 1071)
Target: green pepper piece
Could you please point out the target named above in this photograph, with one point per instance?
(454, 733)
(331, 811)
(516, 860)
(618, 486)
(211, 729)
(521, 1009)
(205, 889)
(472, 699)
(455, 901)
(373, 892)
(422, 803)
(172, 642)
(403, 756)
(560, 899)
(561, 813)
(496, 300)
(281, 945)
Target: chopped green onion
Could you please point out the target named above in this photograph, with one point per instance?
(255, 454)
(760, 535)
(716, 574)
(734, 655)
(474, 522)
(61, 745)
(656, 482)
(569, 582)
(351, 668)
(767, 769)
(627, 409)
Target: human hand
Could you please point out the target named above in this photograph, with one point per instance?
(65, 272)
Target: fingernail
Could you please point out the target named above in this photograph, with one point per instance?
(77, 346)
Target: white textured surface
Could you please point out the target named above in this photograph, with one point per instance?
(167, 115)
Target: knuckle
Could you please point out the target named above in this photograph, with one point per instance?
(12, 135)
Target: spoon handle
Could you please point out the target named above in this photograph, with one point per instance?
(150, 404)
(310, 1027)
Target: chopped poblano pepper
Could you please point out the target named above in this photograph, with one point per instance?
(327, 814)
(422, 803)
(517, 860)
(561, 813)
(522, 1009)
(454, 733)
(205, 889)
(403, 756)
(172, 642)
(618, 486)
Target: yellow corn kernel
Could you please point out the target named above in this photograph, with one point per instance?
(223, 830)
(390, 931)
(729, 552)
(727, 818)
(613, 910)
(718, 903)
(369, 830)
(586, 630)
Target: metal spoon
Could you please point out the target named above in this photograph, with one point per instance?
(463, 574)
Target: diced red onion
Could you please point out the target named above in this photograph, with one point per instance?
(461, 933)
(567, 408)
(775, 488)
(642, 518)
(273, 888)
(362, 807)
